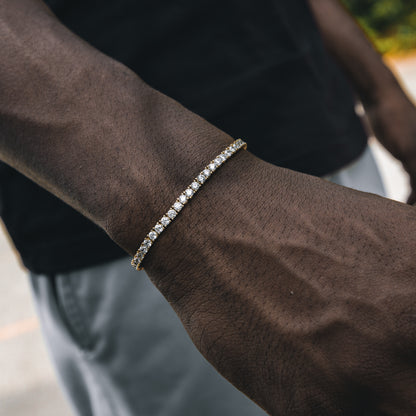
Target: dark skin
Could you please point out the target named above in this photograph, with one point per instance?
(301, 292)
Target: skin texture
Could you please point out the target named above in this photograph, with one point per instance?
(309, 311)
(302, 293)
(390, 112)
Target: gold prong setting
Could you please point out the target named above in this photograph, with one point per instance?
(183, 199)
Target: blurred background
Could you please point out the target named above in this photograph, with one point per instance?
(28, 385)
(390, 23)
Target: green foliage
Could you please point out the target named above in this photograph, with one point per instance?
(390, 23)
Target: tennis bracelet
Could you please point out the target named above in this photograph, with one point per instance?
(182, 199)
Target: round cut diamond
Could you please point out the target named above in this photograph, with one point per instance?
(182, 200)
(153, 235)
(201, 178)
(172, 214)
(165, 221)
(136, 264)
(195, 186)
(177, 206)
(158, 228)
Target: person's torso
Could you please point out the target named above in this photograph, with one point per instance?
(257, 70)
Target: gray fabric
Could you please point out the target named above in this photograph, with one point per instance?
(120, 350)
(362, 174)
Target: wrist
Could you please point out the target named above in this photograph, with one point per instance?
(193, 241)
(165, 156)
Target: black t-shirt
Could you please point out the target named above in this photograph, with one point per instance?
(257, 70)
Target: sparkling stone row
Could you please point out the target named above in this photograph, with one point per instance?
(182, 199)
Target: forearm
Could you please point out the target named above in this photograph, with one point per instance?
(272, 272)
(353, 51)
(88, 129)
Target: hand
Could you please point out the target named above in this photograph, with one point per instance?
(301, 292)
(393, 121)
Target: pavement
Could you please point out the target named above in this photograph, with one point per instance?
(28, 384)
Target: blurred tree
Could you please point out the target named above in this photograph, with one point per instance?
(391, 24)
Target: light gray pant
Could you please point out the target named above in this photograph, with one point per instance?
(119, 348)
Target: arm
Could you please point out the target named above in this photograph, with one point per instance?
(292, 287)
(391, 114)
(68, 113)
